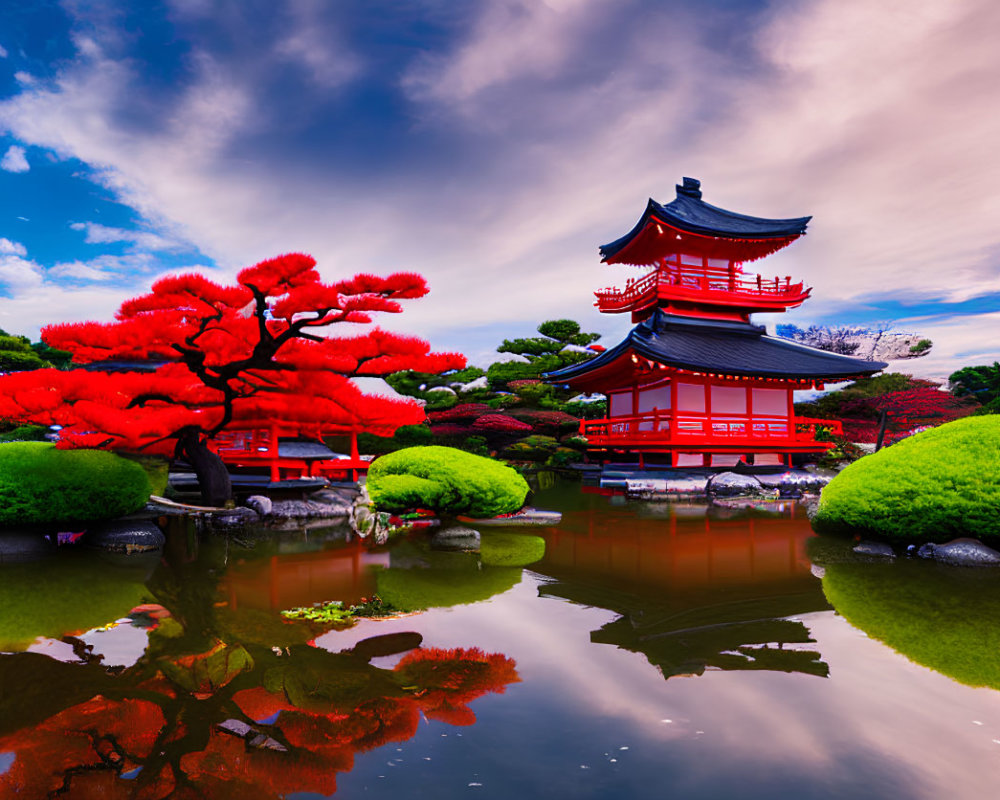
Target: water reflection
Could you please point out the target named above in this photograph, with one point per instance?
(227, 697)
(939, 616)
(696, 587)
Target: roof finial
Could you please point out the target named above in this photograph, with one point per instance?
(690, 188)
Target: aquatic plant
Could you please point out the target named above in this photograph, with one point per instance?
(41, 485)
(935, 485)
(445, 479)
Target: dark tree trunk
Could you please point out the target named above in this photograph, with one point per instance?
(213, 477)
(883, 420)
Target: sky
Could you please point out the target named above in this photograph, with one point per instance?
(493, 145)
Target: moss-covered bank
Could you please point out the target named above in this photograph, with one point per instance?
(934, 486)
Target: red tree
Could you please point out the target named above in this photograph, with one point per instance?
(923, 404)
(243, 355)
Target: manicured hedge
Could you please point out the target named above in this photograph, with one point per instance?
(941, 617)
(446, 480)
(934, 486)
(42, 485)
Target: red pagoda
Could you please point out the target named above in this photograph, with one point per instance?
(695, 382)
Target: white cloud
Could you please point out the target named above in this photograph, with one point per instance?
(14, 160)
(17, 274)
(146, 240)
(9, 248)
(871, 116)
(3, 51)
(327, 60)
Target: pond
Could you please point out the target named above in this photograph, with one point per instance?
(655, 650)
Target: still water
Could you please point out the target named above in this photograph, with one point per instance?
(653, 651)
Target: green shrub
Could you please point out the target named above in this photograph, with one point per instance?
(532, 448)
(941, 617)
(921, 346)
(563, 457)
(510, 549)
(25, 433)
(476, 445)
(448, 480)
(936, 485)
(582, 410)
(42, 485)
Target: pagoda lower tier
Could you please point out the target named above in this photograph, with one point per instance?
(707, 392)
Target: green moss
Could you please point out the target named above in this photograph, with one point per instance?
(511, 549)
(417, 589)
(42, 485)
(61, 596)
(447, 480)
(941, 617)
(936, 485)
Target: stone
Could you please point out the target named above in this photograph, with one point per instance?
(308, 509)
(456, 538)
(259, 503)
(659, 488)
(732, 484)
(874, 549)
(234, 518)
(962, 552)
(126, 536)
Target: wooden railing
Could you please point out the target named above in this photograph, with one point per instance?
(699, 279)
(664, 427)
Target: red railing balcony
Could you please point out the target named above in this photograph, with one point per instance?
(663, 429)
(692, 283)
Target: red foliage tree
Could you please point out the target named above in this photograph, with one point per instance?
(244, 355)
(923, 404)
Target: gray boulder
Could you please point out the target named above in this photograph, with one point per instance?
(259, 503)
(874, 549)
(732, 484)
(308, 509)
(962, 552)
(126, 536)
(456, 538)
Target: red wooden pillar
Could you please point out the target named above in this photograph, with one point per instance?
(274, 456)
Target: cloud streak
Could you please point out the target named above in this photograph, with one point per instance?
(533, 132)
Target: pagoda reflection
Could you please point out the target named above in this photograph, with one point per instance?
(696, 587)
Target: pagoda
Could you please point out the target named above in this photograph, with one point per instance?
(696, 382)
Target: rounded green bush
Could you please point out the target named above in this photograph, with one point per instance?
(941, 617)
(935, 486)
(42, 485)
(446, 480)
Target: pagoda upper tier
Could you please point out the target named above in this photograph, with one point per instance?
(697, 251)
(690, 225)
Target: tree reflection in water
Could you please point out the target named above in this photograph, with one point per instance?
(224, 701)
(696, 587)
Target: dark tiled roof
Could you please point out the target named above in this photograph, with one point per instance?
(688, 212)
(730, 348)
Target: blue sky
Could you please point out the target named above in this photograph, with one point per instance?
(493, 145)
